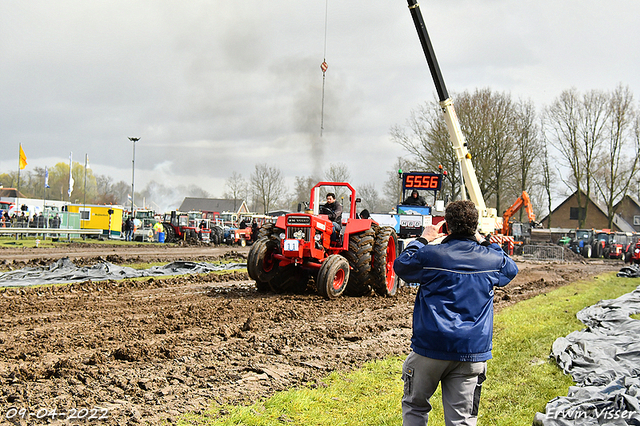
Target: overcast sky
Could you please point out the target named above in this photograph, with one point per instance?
(212, 87)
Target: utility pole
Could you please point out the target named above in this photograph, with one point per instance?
(133, 173)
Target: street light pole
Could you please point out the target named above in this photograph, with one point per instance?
(133, 173)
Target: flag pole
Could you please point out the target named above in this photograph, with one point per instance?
(44, 201)
(19, 167)
(84, 203)
(70, 177)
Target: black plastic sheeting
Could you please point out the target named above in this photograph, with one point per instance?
(604, 361)
(65, 271)
(631, 271)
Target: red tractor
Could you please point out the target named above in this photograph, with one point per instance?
(186, 226)
(299, 246)
(634, 253)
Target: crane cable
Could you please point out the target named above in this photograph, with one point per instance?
(324, 65)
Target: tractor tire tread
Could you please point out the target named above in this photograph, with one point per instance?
(359, 257)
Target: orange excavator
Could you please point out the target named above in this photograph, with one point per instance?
(522, 200)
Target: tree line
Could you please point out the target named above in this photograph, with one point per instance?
(266, 190)
(587, 143)
(584, 143)
(93, 188)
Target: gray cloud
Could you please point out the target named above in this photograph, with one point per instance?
(213, 87)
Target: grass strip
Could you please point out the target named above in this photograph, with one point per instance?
(521, 377)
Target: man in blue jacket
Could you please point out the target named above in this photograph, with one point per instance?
(452, 316)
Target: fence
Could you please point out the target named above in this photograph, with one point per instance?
(540, 252)
(50, 224)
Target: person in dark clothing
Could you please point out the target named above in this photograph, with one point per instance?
(243, 224)
(452, 316)
(128, 229)
(414, 199)
(254, 230)
(333, 209)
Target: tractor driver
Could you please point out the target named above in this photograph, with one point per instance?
(335, 214)
(414, 200)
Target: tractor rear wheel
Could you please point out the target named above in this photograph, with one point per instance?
(383, 278)
(598, 250)
(359, 257)
(170, 233)
(266, 230)
(261, 265)
(333, 276)
(219, 234)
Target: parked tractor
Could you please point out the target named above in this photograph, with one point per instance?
(634, 253)
(300, 246)
(620, 246)
(584, 242)
(603, 243)
(186, 226)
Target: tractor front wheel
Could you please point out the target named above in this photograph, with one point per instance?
(333, 276)
(261, 265)
(261, 286)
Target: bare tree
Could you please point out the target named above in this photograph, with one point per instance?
(302, 190)
(426, 139)
(618, 164)
(489, 120)
(268, 186)
(369, 196)
(491, 124)
(237, 189)
(120, 190)
(528, 147)
(337, 172)
(547, 180)
(576, 124)
(392, 190)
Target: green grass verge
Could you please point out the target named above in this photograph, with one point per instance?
(521, 377)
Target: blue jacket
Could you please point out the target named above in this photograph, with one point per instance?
(453, 312)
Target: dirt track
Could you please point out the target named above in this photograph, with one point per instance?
(149, 350)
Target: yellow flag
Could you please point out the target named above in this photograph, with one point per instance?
(23, 158)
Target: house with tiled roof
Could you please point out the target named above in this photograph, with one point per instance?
(629, 209)
(566, 215)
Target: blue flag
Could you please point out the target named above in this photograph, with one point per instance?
(46, 177)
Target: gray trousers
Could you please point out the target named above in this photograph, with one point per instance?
(461, 384)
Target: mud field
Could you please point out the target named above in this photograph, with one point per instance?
(145, 351)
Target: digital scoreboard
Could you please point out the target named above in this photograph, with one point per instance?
(422, 181)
